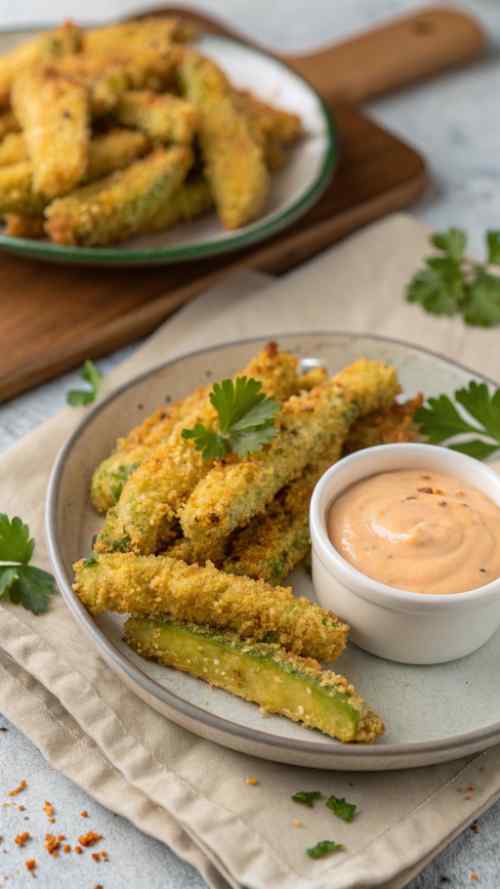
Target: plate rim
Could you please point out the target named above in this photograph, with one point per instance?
(257, 231)
(345, 752)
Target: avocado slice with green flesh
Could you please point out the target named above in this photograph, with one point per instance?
(264, 673)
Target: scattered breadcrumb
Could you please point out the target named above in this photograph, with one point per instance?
(19, 789)
(52, 844)
(252, 781)
(49, 810)
(30, 864)
(100, 856)
(66, 848)
(22, 838)
(84, 813)
(473, 876)
(89, 839)
(474, 827)
(78, 850)
(296, 822)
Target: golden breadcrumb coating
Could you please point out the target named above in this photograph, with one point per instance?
(114, 208)
(308, 424)
(162, 117)
(110, 476)
(233, 160)
(145, 517)
(150, 585)
(54, 113)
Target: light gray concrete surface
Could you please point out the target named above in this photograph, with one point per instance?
(455, 121)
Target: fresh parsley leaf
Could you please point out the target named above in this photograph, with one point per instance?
(440, 420)
(91, 375)
(482, 307)
(245, 420)
(212, 445)
(307, 797)
(324, 847)
(21, 583)
(485, 408)
(15, 542)
(493, 242)
(452, 242)
(450, 284)
(476, 448)
(35, 588)
(8, 577)
(91, 560)
(341, 808)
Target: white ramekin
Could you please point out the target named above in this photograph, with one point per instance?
(412, 628)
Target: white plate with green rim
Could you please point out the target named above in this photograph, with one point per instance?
(432, 714)
(294, 189)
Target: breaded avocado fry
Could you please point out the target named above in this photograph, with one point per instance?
(50, 46)
(114, 208)
(54, 113)
(109, 152)
(110, 476)
(263, 673)
(150, 585)
(233, 160)
(145, 517)
(191, 200)
(13, 149)
(232, 493)
(162, 117)
(271, 546)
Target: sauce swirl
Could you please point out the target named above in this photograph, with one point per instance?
(418, 530)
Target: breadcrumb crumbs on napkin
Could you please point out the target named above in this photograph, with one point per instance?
(19, 789)
(30, 864)
(252, 781)
(89, 839)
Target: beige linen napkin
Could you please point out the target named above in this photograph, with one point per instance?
(179, 788)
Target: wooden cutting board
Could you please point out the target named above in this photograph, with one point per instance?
(53, 317)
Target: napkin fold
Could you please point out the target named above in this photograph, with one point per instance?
(181, 789)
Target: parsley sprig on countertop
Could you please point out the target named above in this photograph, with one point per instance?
(307, 797)
(20, 582)
(91, 375)
(441, 420)
(451, 284)
(245, 420)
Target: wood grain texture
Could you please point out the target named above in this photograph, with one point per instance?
(53, 317)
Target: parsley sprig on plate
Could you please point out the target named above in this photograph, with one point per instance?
(20, 582)
(451, 284)
(80, 397)
(441, 420)
(245, 420)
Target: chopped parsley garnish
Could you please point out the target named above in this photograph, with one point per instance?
(440, 420)
(307, 797)
(20, 582)
(451, 284)
(324, 847)
(245, 420)
(90, 561)
(91, 375)
(341, 808)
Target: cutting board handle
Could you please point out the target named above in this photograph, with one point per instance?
(377, 61)
(393, 55)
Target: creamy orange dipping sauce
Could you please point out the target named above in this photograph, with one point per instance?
(419, 531)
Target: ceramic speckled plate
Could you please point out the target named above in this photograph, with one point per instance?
(293, 190)
(433, 714)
